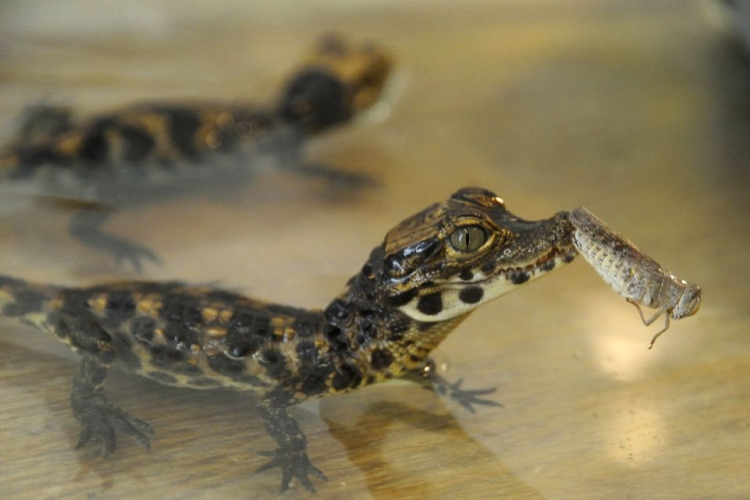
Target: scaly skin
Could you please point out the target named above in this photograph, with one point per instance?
(431, 271)
(153, 150)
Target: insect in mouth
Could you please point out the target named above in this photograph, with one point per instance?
(631, 273)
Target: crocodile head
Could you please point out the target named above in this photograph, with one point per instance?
(456, 255)
(338, 80)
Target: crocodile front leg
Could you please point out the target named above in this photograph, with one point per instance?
(427, 377)
(291, 456)
(99, 419)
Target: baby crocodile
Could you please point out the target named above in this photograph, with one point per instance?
(431, 271)
(152, 150)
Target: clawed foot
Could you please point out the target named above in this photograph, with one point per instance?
(466, 398)
(293, 464)
(132, 253)
(100, 421)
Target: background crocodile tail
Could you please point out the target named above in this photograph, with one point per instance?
(23, 160)
(27, 302)
(9, 166)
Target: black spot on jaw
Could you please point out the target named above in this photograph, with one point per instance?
(402, 298)
(380, 359)
(466, 275)
(549, 265)
(471, 294)
(569, 258)
(519, 277)
(431, 304)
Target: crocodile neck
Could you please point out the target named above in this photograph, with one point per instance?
(365, 330)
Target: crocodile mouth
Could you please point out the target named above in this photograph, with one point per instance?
(505, 279)
(545, 263)
(458, 297)
(523, 273)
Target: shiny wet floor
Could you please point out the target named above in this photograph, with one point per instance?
(638, 110)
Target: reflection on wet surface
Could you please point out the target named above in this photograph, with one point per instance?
(636, 110)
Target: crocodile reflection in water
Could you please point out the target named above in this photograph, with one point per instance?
(431, 271)
(151, 151)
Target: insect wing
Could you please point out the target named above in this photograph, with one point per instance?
(625, 250)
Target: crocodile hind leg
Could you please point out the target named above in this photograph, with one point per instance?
(291, 455)
(86, 225)
(428, 377)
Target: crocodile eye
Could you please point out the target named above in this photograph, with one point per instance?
(468, 238)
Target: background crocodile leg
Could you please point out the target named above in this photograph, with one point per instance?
(85, 226)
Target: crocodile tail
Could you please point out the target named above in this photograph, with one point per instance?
(27, 302)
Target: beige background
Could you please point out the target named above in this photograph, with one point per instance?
(639, 110)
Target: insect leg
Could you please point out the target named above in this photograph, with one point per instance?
(646, 322)
(666, 326)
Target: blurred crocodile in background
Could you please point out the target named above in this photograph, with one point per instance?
(150, 151)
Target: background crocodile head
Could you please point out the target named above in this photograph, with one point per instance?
(456, 255)
(338, 80)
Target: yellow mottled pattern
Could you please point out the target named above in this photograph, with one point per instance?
(635, 109)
